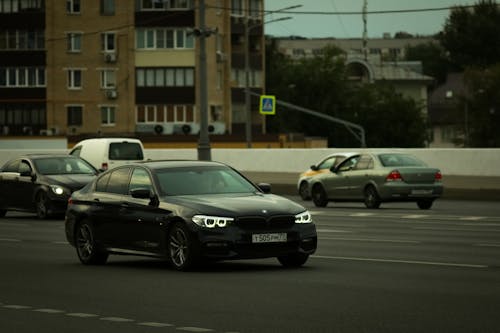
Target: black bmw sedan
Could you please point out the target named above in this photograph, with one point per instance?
(42, 183)
(187, 212)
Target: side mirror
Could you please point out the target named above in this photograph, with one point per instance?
(26, 173)
(145, 193)
(314, 167)
(265, 187)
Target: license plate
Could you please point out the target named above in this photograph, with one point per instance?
(421, 192)
(269, 238)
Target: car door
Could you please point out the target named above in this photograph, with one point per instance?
(25, 187)
(8, 181)
(110, 193)
(337, 182)
(143, 216)
(359, 176)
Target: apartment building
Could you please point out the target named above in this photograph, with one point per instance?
(130, 67)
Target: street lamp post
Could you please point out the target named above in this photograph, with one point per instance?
(248, 109)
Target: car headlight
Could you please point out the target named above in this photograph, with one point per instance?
(59, 190)
(212, 221)
(304, 217)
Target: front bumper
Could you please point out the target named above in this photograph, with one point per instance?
(236, 243)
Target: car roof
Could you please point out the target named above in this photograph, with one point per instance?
(38, 156)
(110, 140)
(161, 164)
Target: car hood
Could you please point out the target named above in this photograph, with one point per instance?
(73, 182)
(233, 205)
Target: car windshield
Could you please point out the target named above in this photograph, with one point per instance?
(399, 160)
(62, 166)
(202, 180)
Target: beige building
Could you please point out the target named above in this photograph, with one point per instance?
(131, 67)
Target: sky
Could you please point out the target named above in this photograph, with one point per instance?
(351, 26)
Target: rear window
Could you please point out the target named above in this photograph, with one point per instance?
(125, 151)
(391, 160)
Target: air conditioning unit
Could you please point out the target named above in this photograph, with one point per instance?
(110, 57)
(111, 94)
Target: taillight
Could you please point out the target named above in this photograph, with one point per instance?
(70, 201)
(104, 166)
(438, 177)
(394, 176)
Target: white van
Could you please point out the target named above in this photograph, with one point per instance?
(107, 153)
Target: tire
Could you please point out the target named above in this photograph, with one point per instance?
(293, 260)
(319, 196)
(182, 251)
(86, 246)
(304, 191)
(42, 204)
(425, 204)
(2, 212)
(372, 199)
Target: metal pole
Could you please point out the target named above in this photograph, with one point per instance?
(204, 153)
(248, 109)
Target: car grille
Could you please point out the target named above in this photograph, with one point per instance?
(263, 223)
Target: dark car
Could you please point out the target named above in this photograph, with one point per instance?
(186, 211)
(378, 177)
(42, 184)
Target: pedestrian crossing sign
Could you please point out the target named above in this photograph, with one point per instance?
(267, 104)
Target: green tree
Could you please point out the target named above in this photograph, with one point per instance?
(471, 36)
(321, 83)
(435, 62)
(483, 107)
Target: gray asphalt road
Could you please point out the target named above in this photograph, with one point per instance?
(395, 269)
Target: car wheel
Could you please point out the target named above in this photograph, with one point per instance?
(304, 191)
(181, 247)
(372, 200)
(86, 247)
(424, 204)
(293, 260)
(319, 196)
(42, 205)
(2, 212)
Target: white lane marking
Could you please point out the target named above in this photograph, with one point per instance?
(361, 214)
(472, 218)
(373, 240)
(49, 310)
(488, 244)
(153, 324)
(82, 315)
(194, 329)
(395, 261)
(332, 230)
(17, 307)
(10, 240)
(117, 319)
(414, 216)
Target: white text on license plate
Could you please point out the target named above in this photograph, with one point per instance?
(269, 238)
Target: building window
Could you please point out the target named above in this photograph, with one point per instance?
(73, 6)
(74, 40)
(108, 79)
(74, 114)
(165, 77)
(74, 79)
(22, 77)
(108, 42)
(108, 115)
(237, 7)
(160, 38)
(165, 113)
(107, 7)
(255, 11)
(164, 5)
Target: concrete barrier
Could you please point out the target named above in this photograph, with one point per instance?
(467, 173)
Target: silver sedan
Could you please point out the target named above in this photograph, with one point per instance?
(374, 178)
